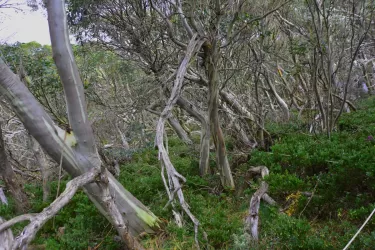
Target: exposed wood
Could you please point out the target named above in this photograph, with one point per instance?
(3, 198)
(173, 185)
(118, 220)
(6, 238)
(38, 220)
(252, 219)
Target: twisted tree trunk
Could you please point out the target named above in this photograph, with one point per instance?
(211, 52)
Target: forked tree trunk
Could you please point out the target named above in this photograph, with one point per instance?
(211, 59)
(140, 219)
(10, 179)
(78, 151)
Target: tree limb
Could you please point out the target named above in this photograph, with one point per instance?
(38, 220)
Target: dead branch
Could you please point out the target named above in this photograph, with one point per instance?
(253, 216)
(38, 220)
(173, 185)
(6, 238)
(252, 220)
(3, 198)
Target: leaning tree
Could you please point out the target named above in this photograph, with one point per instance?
(73, 147)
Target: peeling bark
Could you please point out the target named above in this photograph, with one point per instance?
(211, 52)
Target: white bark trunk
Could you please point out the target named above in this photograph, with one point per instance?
(181, 133)
(77, 157)
(284, 107)
(3, 198)
(252, 219)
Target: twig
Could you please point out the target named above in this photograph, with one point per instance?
(310, 198)
(360, 229)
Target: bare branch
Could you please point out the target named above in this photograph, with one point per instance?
(38, 220)
(173, 176)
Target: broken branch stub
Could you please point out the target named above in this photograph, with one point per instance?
(252, 219)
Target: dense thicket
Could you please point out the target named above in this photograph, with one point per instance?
(281, 84)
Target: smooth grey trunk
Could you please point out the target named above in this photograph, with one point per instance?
(51, 138)
(280, 101)
(140, 219)
(78, 152)
(181, 133)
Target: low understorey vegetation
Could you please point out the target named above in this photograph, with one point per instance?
(324, 189)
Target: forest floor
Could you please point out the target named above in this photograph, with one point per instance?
(336, 173)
